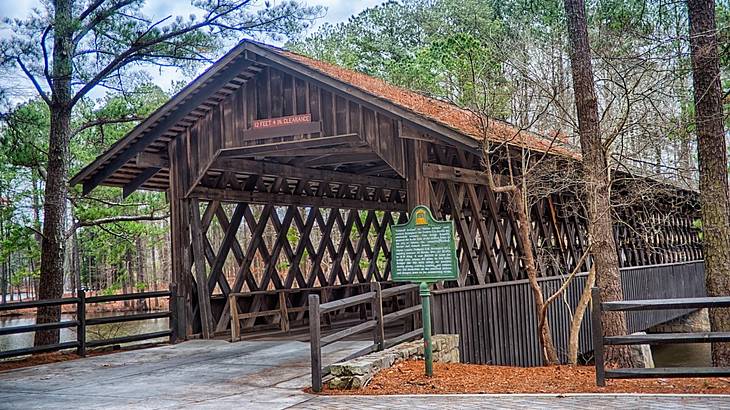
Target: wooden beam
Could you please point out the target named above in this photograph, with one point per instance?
(417, 182)
(298, 144)
(149, 159)
(282, 131)
(287, 171)
(139, 180)
(164, 118)
(201, 277)
(227, 195)
(456, 174)
(318, 152)
(342, 158)
(409, 133)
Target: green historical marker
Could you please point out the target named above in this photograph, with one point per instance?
(424, 252)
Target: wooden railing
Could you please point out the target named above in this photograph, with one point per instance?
(285, 305)
(376, 324)
(600, 341)
(81, 323)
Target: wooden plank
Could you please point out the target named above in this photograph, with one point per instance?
(216, 270)
(253, 134)
(283, 313)
(344, 303)
(377, 303)
(138, 181)
(417, 183)
(598, 337)
(400, 314)
(163, 118)
(350, 331)
(149, 159)
(679, 303)
(668, 338)
(416, 120)
(285, 199)
(415, 334)
(287, 171)
(333, 142)
(668, 372)
(235, 320)
(201, 278)
(315, 344)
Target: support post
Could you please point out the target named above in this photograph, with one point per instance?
(182, 305)
(171, 304)
(315, 343)
(425, 292)
(417, 190)
(379, 330)
(597, 329)
(235, 321)
(81, 318)
(201, 277)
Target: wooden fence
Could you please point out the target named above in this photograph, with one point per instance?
(376, 324)
(497, 322)
(81, 322)
(599, 341)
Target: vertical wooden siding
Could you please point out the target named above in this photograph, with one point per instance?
(497, 322)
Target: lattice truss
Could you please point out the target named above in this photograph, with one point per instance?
(490, 248)
(265, 247)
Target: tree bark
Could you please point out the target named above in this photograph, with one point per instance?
(597, 179)
(712, 155)
(54, 208)
(577, 319)
(549, 353)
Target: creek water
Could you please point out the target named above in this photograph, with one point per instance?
(96, 332)
(682, 355)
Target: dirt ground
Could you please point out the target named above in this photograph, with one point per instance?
(408, 378)
(55, 357)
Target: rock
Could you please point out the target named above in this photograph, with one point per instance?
(698, 321)
(641, 354)
(357, 373)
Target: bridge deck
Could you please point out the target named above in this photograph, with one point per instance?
(205, 373)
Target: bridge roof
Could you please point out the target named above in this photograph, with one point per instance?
(118, 166)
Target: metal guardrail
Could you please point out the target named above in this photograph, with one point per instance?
(600, 341)
(376, 325)
(81, 322)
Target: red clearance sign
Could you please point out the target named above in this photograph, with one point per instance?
(278, 122)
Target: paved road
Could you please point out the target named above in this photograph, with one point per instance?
(257, 375)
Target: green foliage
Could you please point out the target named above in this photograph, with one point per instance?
(444, 48)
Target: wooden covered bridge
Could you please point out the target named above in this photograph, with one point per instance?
(284, 174)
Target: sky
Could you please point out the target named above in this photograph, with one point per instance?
(337, 11)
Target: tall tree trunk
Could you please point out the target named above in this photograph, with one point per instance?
(4, 272)
(141, 303)
(712, 154)
(596, 178)
(549, 353)
(54, 209)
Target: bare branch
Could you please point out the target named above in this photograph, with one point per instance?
(33, 80)
(104, 121)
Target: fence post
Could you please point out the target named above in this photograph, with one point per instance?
(81, 318)
(283, 312)
(314, 343)
(597, 328)
(379, 330)
(235, 321)
(173, 313)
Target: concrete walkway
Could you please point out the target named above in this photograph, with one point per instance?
(258, 375)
